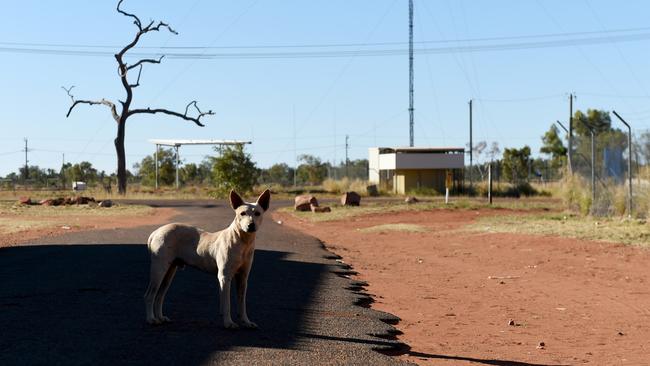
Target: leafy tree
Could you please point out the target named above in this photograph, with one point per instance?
(515, 164)
(552, 144)
(233, 169)
(80, 172)
(606, 137)
(278, 173)
(311, 171)
(146, 169)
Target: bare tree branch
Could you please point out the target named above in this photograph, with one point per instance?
(196, 120)
(146, 60)
(103, 101)
(68, 90)
(137, 83)
(136, 19)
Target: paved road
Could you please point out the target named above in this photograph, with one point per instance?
(77, 299)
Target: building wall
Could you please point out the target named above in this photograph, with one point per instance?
(409, 179)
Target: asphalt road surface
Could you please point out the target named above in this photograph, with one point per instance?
(78, 299)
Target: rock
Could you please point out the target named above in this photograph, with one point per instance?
(511, 322)
(25, 201)
(69, 200)
(350, 199)
(58, 201)
(304, 202)
(411, 200)
(106, 203)
(541, 345)
(82, 200)
(317, 209)
(46, 202)
(372, 190)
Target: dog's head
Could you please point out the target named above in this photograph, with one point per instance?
(248, 216)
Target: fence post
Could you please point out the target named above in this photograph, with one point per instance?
(629, 163)
(490, 183)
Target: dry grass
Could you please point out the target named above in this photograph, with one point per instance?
(344, 212)
(410, 228)
(16, 218)
(624, 231)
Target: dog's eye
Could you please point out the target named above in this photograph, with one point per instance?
(257, 213)
(243, 213)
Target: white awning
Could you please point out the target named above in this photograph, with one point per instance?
(174, 142)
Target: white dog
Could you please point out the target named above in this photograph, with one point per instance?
(227, 253)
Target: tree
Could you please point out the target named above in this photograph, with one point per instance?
(233, 169)
(146, 169)
(278, 173)
(515, 164)
(83, 172)
(552, 144)
(606, 137)
(126, 111)
(311, 171)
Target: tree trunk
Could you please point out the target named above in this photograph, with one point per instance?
(121, 158)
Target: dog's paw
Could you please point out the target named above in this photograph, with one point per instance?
(248, 324)
(164, 319)
(230, 325)
(153, 321)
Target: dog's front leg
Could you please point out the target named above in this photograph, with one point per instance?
(242, 285)
(224, 300)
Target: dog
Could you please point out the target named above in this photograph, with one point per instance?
(228, 254)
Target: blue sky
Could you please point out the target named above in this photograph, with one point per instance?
(518, 93)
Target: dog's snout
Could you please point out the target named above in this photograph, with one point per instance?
(251, 227)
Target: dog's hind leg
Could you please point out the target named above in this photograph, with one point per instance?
(162, 291)
(156, 277)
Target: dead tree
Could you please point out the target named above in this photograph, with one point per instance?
(125, 110)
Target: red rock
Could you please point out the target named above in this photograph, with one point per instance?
(304, 202)
(411, 199)
(350, 199)
(317, 209)
(25, 201)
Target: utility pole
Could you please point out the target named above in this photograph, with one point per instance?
(571, 96)
(411, 73)
(295, 157)
(347, 146)
(26, 161)
(471, 146)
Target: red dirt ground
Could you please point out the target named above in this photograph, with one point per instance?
(86, 222)
(457, 291)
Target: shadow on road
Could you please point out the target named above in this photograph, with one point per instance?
(83, 304)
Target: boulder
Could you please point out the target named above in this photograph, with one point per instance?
(57, 201)
(317, 209)
(411, 200)
(25, 201)
(304, 202)
(372, 190)
(106, 203)
(82, 200)
(350, 199)
(46, 202)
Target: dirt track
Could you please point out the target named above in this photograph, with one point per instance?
(457, 291)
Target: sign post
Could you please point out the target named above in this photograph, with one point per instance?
(449, 181)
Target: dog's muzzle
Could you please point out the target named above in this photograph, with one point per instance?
(251, 228)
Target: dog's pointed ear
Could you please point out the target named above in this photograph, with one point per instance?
(264, 200)
(235, 200)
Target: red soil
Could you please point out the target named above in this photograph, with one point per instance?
(458, 291)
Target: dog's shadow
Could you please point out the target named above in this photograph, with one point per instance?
(84, 305)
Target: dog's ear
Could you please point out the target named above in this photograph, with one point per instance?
(235, 200)
(264, 199)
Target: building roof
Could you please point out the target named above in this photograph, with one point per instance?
(178, 142)
(389, 150)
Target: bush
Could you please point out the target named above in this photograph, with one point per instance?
(345, 185)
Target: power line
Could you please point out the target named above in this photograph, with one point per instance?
(569, 42)
(328, 45)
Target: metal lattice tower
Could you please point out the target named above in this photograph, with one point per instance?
(411, 73)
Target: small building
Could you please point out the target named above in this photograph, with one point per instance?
(403, 169)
